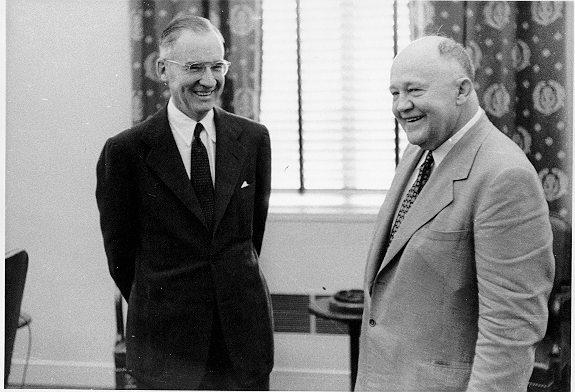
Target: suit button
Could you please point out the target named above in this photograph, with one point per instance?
(372, 323)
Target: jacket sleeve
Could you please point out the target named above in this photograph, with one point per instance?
(262, 192)
(515, 269)
(115, 196)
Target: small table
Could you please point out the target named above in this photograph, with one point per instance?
(347, 307)
(24, 320)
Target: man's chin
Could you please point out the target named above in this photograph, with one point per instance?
(415, 138)
(203, 106)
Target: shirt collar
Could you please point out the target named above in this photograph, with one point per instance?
(185, 126)
(441, 152)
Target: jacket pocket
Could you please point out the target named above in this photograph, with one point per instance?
(454, 235)
(245, 209)
(443, 376)
(448, 253)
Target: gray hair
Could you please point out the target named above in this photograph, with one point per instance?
(453, 50)
(186, 22)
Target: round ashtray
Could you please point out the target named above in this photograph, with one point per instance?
(347, 301)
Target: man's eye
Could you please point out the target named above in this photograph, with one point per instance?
(196, 68)
(217, 67)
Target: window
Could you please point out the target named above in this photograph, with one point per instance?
(325, 96)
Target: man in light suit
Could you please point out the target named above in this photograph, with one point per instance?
(458, 275)
(185, 256)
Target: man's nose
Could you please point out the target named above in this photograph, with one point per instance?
(403, 103)
(208, 78)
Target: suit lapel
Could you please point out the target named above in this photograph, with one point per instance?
(434, 197)
(230, 156)
(386, 213)
(438, 192)
(165, 160)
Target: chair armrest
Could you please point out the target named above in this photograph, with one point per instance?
(559, 299)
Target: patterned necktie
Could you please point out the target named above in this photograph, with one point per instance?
(422, 177)
(201, 177)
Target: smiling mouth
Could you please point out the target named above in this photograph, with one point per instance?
(413, 119)
(203, 93)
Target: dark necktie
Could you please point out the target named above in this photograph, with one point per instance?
(422, 177)
(201, 177)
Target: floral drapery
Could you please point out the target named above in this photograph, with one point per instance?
(522, 55)
(240, 24)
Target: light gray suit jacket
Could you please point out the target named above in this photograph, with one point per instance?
(459, 300)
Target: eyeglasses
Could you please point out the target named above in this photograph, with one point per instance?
(220, 67)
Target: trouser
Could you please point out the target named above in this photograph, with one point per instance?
(219, 371)
(219, 374)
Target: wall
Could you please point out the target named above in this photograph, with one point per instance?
(314, 254)
(68, 89)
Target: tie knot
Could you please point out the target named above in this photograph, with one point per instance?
(428, 159)
(199, 128)
(425, 168)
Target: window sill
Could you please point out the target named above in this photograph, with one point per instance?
(339, 206)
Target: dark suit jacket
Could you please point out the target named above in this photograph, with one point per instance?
(170, 268)
(459, 299)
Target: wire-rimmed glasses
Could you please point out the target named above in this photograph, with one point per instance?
(219, 67)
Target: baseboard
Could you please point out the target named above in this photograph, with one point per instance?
(62, 374)
(45, 374)
(286, 379)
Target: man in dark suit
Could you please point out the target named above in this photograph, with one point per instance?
(461, 266)
(183, 200)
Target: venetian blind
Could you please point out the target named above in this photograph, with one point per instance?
(333, 89)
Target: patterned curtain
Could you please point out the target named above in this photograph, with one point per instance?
(522, 55)
(240, 24)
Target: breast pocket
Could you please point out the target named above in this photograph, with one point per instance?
(245, 208)
(449, 254)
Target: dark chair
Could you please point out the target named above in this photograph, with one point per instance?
(16, 268)
(123, 379)
(552, 357)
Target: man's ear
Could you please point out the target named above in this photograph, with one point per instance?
(465, 88)
(161, 70)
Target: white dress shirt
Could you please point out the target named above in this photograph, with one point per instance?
(183, 130)
(441, 152)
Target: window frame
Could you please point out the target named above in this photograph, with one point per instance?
(316, 202)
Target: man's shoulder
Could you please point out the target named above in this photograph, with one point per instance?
(498, 155)
(137, 131)
(243, 122)
(500, 145)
